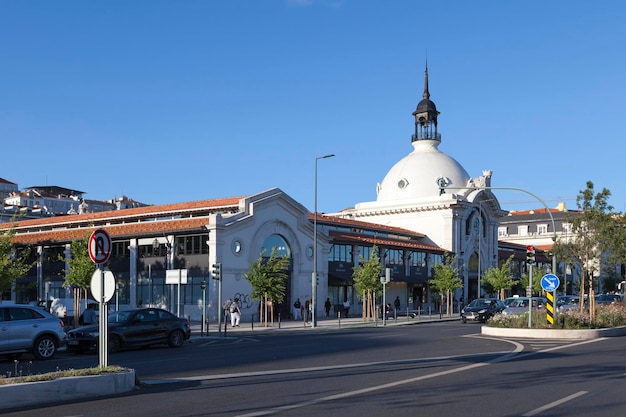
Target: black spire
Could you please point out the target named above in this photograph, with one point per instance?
(426, 116)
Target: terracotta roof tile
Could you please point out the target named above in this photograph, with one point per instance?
(359, 238)
(130, 213)
(116, 231)
(324, 219)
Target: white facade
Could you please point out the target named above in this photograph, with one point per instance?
(410, 197)
(236, 240)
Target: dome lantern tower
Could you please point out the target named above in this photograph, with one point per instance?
(426, 117)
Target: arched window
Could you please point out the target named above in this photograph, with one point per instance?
(278, 242)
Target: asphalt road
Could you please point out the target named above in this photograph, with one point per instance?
(442, 369)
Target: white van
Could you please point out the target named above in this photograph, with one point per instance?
(63, 308)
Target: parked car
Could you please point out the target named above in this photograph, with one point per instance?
(608, 298)
(510, 300)
(481, 309)
(139, 327)
(520, 305)
(567, 302)
(29, 329)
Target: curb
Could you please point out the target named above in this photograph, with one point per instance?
(586, 334)
(65, 389)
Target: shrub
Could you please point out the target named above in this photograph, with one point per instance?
(607, 315)
(111, 369)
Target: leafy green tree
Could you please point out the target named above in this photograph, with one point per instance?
(268, 279)
(536, 281)
(617, 252)
(366, 276)
(500, 279)
(446, 280)
(81, 269)
(14, 263)
(591, 240)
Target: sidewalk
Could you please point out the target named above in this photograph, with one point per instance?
(323, 323)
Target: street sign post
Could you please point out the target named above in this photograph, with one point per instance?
(176, 276)
(99, 247)
(550, 283)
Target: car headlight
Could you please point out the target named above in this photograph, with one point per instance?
(484, 310)
(93, 334)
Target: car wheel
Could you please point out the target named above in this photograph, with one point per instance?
(176, 338)
(45, 347)
(115, 344)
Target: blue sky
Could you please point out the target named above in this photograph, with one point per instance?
(172, 101)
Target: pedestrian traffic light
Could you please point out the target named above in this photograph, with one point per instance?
(217, 271)
(530, 254)
(203, 285)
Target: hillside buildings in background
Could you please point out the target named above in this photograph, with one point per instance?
(46, 201)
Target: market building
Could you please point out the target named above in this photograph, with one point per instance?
(412, 224)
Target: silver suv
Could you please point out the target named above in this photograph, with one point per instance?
(28, 329)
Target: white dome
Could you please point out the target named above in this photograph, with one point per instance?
(415, 176)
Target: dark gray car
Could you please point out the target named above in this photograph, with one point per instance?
(481, 309)
(29, 329)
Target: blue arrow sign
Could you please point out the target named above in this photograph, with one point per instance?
(550, 282)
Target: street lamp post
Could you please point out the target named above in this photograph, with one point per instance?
(443, 185)
(314, 276)
(480, 238)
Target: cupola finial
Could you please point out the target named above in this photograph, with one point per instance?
(426, 93)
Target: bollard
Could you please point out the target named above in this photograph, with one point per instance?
(339, 318)
(252, 323)
(279, 320)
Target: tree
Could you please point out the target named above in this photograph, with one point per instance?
(524, 281)
(591, 239)
(366, 277)
(500, 279)
(446, 280)
(14, 263)
(617, 252)
(81, 269)
(268, 278)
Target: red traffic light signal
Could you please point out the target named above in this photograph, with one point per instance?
(530, 254)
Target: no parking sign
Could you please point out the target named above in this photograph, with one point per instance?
(99, 246)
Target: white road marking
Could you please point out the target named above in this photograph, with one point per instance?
(554, 404)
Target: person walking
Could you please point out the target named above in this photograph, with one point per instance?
(327, 306)
(346, 306)
(235, 313)
(306, 311)
(396, 304)
(297, 310)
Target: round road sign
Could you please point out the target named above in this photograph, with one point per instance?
(550, 282)
(96, 285)
(99, 246)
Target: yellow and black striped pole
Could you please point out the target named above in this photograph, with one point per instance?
(550, 307)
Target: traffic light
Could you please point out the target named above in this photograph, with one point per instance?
(217, 271)
(530, 254)
(203, 285)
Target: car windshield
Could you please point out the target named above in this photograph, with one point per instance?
(481, 303)
(119, 316)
